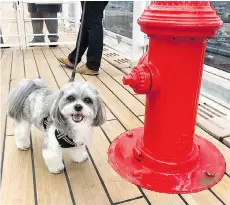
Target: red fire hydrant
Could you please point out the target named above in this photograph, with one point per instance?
(166, 155)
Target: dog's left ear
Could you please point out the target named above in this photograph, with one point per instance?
(55, 112)
(101, 113)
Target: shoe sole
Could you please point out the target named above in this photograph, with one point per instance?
(90, 74)
(69, 66)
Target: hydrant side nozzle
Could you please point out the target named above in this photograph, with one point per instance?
(139, 79)
(128, 80)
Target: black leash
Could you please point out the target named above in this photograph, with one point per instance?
(78, 44)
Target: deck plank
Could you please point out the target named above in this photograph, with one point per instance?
(86, 187)
(201, 198)
(115, 73)
(136, 202)
(223, 149)
(30, 65)
(113, 181)
(88, 180)
(46, 194)
(119, 80)
(226, 141)
(6, 61)
(222, 189)
(17, 169)
(49, 186)
(141, 98)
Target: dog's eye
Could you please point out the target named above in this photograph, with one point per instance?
(71, 98)
(88, 100)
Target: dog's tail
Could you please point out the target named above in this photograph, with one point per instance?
(19, 94)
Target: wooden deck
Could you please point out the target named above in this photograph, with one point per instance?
(25, 178)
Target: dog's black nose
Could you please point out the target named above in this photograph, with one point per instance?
(78, 107)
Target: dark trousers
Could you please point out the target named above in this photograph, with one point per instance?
(92, 35)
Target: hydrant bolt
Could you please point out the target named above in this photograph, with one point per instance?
(129, 134)
(210, 174)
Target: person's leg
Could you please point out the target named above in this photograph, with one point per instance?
(95, 30)
(1, 40)
(70, 61)
(95, 47)
(83, 46)
(52, 26)
(37, 27)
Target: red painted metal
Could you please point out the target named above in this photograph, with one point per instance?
(166, 155)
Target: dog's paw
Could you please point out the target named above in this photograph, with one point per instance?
(23, 145)
(56, 170)
(24, 148)
(81, 157)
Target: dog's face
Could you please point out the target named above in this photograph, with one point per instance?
(79, 103)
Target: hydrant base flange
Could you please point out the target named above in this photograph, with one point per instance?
(208, 171)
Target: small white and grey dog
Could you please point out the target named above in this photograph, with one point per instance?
(67, 117)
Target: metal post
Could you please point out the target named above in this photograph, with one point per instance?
(65, 11)
(138, 37)
(78, 12)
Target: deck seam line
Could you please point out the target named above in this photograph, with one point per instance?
(144, 195)
(128, 200)
(100, 178)
(69, 185)
(183, 199)
(216, 196)
(33, 170)
(106, 136)
(36, 63)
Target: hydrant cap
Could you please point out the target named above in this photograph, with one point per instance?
(180, 18)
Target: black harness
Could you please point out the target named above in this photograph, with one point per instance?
(63, 139)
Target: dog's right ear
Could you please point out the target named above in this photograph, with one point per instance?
(55, 113)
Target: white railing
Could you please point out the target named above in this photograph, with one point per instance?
(20, 20)
(70, 18)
